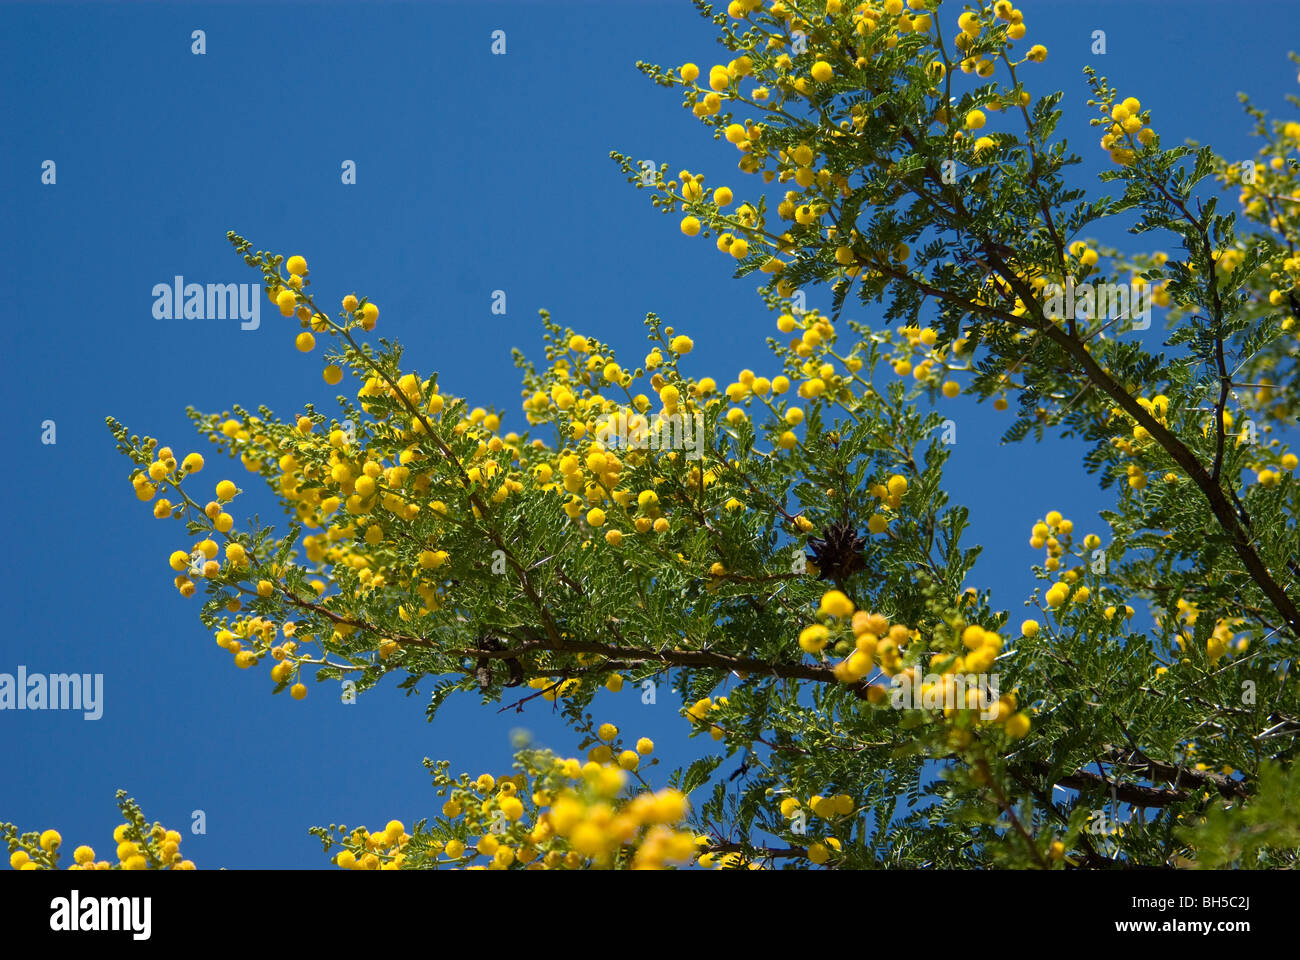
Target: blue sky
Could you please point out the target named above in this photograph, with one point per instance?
(474, 173)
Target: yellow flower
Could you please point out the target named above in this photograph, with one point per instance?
(813, 638)
(286, 300)
(512, 808)
(835, 604)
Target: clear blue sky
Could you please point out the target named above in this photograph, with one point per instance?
(475, 173)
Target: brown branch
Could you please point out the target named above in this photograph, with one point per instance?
(1184, 783)
(632, 656)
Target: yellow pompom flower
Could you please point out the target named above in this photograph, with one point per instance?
(835, 604)
(286, 300)
(813, 638)
(512, 808)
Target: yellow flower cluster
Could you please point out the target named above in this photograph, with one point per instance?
(1126, 124)
(378, 851)
(868, 639)
(156, 848)
(570, 815)
(935, 363)
(964, 650)
(261, 634)
(972, 24)
(1270, 195)
(831, 809)
(1221, 639)
(698, 715)
(890, 494)
(356, 498)
(1140, 440)
(290, 296)
(1058, 594)
(1267, 477)
(1056, 534)
(804, 69)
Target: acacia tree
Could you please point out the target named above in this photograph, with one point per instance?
(800, 567)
